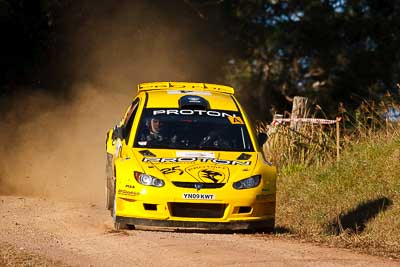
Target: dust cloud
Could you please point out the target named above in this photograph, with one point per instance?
(54, 146)
(56, 149)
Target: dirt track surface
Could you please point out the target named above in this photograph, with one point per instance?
(81, 234)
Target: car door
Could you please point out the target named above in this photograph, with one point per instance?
(116, 138)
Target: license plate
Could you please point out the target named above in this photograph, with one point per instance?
(198, 196)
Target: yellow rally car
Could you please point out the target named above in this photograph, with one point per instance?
(185, 156)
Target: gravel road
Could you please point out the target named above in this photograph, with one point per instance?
(81, 234)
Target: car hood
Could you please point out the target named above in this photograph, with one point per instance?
(196, 166)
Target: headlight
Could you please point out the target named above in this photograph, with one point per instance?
(250, 182)
(146, 179)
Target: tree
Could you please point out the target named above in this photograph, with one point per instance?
(329, 50)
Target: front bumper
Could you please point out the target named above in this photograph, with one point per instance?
(172, 207)
(215, 215)
(239, 225)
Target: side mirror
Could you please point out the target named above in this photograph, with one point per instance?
(117, 133)
(262, 138)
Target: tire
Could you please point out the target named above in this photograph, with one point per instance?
(110, 191)
(123, 226)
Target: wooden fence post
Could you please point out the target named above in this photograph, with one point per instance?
(299, 110)
(338, 138)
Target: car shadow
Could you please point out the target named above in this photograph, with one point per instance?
(268, 231)
(282, 230)
(355, 220)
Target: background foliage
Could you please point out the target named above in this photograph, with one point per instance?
(329, 50)
(333, 51)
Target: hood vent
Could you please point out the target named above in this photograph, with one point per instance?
(244, 156)
(147, 153)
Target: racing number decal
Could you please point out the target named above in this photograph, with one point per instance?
(235, 120)
(172, 170)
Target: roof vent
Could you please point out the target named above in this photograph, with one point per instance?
(193, 102)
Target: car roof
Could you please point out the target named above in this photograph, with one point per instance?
(167, 94)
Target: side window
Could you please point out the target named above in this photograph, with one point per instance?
(129, 119)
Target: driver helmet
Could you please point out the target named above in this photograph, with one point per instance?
(155, 126)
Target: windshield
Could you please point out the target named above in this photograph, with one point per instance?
(193, 129)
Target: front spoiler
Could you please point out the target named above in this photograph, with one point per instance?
(239, 225)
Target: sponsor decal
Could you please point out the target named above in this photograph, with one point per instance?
(206, 172)
(210, 174)
(189, 154)
(198, 196)
(172, 170)
(189, 112)
(194, 159)
(129, 186)
(127, 193)
(235, 120)
(183, 92)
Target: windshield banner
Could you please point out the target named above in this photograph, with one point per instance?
(188, 112)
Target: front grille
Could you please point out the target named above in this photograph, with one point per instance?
(203, 185)
(197, 210)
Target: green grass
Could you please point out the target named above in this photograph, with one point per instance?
(351, 203)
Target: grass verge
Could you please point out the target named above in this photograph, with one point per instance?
(352, 203)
